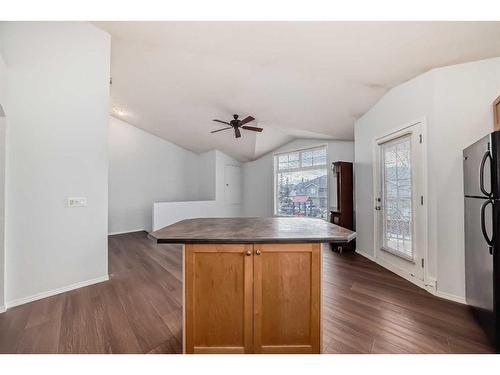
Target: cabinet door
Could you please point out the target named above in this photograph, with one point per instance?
(287, 298)
(218, 298)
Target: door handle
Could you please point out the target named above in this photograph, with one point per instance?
(489, 241)
(248, 253)
(486, 155)
(257, 252)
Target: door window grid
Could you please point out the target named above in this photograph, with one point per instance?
(397, 219)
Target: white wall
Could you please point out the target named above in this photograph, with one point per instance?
(167, 213)
(58, 91)
(258, 175)
(463, 98)
(211, 184)
(144, 169)
(456, 103)
(207, 175)
(410, 101)
(3, 124)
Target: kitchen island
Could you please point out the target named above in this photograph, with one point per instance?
(252, 285)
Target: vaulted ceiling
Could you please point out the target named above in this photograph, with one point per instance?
(298, 79)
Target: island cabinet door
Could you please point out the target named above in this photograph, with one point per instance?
(287, 298)
(219, 298)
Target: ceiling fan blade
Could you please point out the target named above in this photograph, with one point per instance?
(255, 129)
(219, 130)
(246, 120)
(222, 122)
(237, 132)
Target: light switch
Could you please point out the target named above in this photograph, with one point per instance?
(77, 202)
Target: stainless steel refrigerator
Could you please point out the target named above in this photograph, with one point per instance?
(481, 163)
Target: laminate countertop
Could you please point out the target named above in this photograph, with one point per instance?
(252, 230)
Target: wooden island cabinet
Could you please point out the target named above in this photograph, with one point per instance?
(218, 298)
(252, 291)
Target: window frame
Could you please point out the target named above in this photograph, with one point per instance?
(276, 170)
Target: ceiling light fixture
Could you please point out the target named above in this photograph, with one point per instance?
(119, 111)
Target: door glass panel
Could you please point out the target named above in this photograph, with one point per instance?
(397, 215)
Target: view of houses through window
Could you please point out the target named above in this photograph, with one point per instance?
(301, 183)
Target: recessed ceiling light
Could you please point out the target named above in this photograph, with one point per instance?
(119, 111)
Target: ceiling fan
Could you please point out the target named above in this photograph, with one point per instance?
(237, 124)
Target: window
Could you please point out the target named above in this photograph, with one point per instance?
(301, 183)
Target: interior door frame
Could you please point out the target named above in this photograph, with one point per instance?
(424, 242)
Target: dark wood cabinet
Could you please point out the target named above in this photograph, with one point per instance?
(496, 114)
(342, 205)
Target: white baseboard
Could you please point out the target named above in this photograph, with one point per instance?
(450, 297)
(393, 269)
(2, 309)
(128, 231)
(53, 292)
(368, 256)
(430, 286)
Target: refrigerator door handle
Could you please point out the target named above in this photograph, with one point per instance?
(488, 240)
(486, 155)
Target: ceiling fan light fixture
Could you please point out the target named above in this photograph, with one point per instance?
(236, 124)
(119, 111)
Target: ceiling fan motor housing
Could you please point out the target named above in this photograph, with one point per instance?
(235, 122)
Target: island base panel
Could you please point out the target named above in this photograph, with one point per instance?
(252, 298)
(218, 298)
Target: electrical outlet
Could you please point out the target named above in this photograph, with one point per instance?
(77, 202)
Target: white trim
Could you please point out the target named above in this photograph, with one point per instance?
(425, 208)
(53, 292)
(429, 286)
(366, 255)
(424, 243)
(400, 254)
(3, 309)
(396, 270)
(128, 231)
(405, 126)
(451, 297)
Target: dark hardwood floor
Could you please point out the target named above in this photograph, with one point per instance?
(366, 309)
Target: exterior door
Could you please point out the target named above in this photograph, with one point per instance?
(287, 298)
(399, 215)
(219, 293)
